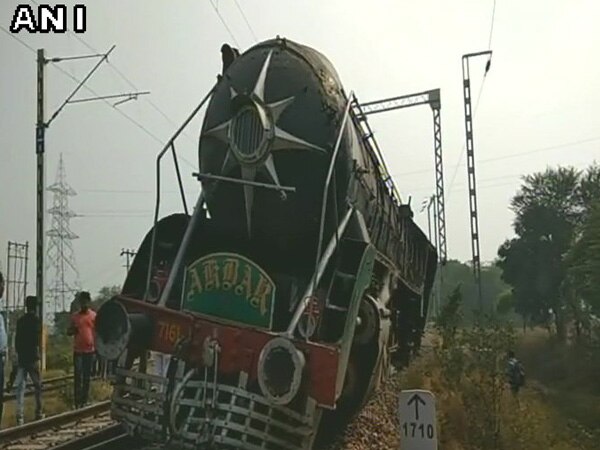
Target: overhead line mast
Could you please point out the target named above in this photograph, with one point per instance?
(431, 98)
(473, 214)
(40, 149)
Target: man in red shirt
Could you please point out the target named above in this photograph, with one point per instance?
(84, 348)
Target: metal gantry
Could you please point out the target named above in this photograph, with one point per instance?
(473, 215)
(431, 98)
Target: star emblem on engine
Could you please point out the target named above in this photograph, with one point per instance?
(252, 136)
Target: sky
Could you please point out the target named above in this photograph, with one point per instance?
(537, 106)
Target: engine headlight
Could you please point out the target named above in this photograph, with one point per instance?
(113, 330)
(280, 367)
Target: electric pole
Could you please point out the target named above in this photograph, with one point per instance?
(473, 214)
(40, 149)
(128, 253)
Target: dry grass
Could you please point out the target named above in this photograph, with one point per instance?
(528, 423)
(565, 376)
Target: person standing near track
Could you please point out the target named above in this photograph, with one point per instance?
(27, 348)
(84, 348)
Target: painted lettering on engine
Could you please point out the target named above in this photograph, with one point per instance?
(231, 287)
(169, 332)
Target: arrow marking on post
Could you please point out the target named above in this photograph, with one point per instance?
(416, 399)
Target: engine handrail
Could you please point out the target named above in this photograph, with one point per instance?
(318, 274)
(371, 142)
(170, 145)
(329, 174)
(321, 262)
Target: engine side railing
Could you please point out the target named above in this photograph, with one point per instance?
(170, 145)
(369, 140)
(319, 271)
(321, 261)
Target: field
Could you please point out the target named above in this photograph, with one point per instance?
(559, 409)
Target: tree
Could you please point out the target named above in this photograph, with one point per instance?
(548, 208)
(584, 261)
(506, 303)
(588, 191)
(104, 294)
(456, 274)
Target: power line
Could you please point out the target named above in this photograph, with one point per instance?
(128, 81)
(462, 187)
(22, 42)
(246, 20)
(483, 180)
(492, 26)
(514, 155)
(224, 23)
(76, 80)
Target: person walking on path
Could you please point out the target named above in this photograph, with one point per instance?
(27, 348)
(515, 373)
(84, 348)
(3, 348)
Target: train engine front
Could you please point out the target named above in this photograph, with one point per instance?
(254, 305)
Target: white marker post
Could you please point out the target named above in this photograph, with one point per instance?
(416, 412)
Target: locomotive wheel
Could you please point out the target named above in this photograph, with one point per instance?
(367, 325)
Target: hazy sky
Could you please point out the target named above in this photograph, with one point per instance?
(538, 107)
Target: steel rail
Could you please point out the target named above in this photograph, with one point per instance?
(111, 437)
(27, 430)
(48, 385)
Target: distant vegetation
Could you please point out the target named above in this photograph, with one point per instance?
(553, 262)
(558, 409)
(457, 274)
(61, 355)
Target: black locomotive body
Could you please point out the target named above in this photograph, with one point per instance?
(297, 284)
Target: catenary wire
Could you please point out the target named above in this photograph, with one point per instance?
(224, 23)
(513, 155)
(492, 26)
(127, 80)
(76, 80)
(246, 20)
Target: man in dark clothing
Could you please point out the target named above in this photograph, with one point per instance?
(515, 373)
(84, 348)
(228, 55)
(27, 346)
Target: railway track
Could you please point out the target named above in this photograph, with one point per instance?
(61, 429)
(50, 384)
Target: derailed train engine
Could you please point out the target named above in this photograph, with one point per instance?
(295, 286)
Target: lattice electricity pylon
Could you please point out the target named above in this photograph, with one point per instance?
(431, 98)
(64, 279)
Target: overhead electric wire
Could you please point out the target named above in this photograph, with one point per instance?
(485, 186)
(76, 80)
(478, 98)
(492, 26)
(224, 23)
(130, 83)
(21, 41)
(513, 155)
(246, 20)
